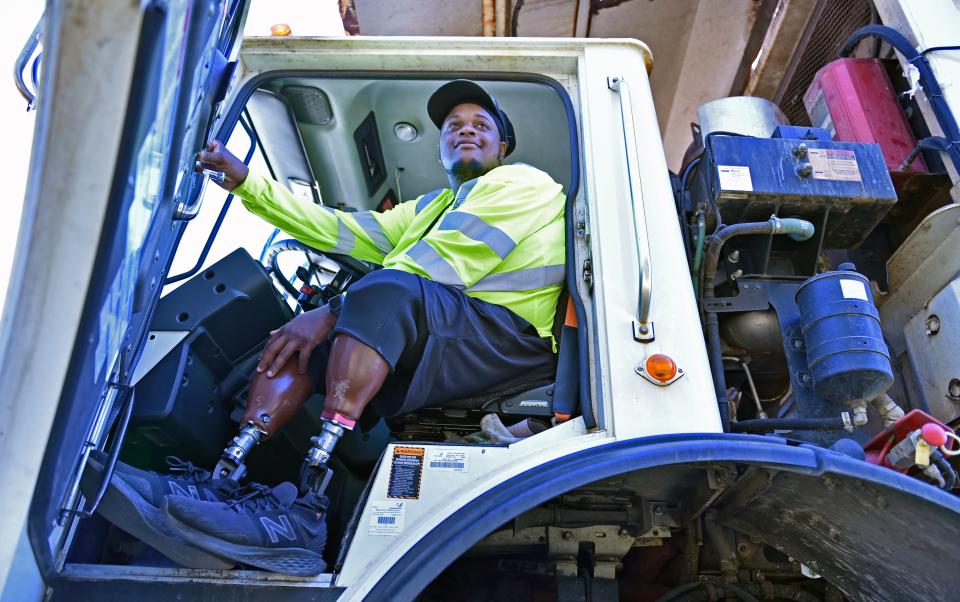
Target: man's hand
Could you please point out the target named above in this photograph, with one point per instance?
(218, 158)
(300, 335)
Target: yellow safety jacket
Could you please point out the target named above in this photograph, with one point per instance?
(500, 238)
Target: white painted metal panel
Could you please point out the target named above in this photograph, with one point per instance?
(934, 348)
(70, 176)
(919, 269)
(441, 493)
(637, 407)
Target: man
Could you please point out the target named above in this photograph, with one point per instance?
(464, 305)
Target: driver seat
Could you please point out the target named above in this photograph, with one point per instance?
(542, 400)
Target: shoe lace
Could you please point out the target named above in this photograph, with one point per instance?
(185, 469)
(253, 497)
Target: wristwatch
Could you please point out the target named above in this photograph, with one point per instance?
(335, 304)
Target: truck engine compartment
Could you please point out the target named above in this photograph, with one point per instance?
(792, 233)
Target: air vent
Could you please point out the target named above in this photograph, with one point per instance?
(832, 23)
(310, 105)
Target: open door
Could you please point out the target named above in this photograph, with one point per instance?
(128, 95)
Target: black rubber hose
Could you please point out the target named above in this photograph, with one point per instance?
(700, 593)
(714, 347)
(740, 593)
(789, 424)
(795, 228)
(779, 591)
(947, 471)
(712, 256)
(696, 592)
(679, 591)
(715, 356)
(938, 49)
(515, 20)
(729, 565)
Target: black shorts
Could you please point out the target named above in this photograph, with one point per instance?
(441, 344)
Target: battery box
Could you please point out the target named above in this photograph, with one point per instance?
(842, 188)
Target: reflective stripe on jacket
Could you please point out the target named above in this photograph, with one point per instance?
(499, 239)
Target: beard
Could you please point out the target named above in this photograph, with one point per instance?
(467, 169)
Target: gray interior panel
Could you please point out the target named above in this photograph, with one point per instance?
(279, 137)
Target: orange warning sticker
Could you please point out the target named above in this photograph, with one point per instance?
(406, 472)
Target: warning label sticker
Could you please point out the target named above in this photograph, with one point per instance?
(448, 461)
(853, 289)
(406, 472)
(834, 164)
(386, 518)
(735, 177)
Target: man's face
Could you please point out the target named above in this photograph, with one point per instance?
(469, 141)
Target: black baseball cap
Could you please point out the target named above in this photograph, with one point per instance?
(460, 91)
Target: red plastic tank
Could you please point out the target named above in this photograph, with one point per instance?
(855, 101)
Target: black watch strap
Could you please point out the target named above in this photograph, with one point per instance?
(335, 304)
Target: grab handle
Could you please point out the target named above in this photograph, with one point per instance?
(642, 326)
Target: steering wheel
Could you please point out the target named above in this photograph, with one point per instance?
(354, 267)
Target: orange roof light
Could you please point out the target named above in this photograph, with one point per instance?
(280, 29)
(661, 367)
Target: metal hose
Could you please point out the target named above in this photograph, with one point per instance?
(797, 229)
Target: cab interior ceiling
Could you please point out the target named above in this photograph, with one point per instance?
(328, 119)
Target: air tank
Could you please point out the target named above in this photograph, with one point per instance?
(747, 115)
(846, 354)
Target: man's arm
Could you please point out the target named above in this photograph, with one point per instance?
(364, 235)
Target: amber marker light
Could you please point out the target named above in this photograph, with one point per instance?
(280, 29)
(661, 367)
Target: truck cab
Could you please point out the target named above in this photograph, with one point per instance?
(145, 294)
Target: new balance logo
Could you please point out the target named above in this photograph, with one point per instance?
(190, 491)
(274, 528)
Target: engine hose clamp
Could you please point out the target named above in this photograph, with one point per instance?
(847, 422)
(775, 224)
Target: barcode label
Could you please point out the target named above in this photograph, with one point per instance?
(386, 518)
(448, 460)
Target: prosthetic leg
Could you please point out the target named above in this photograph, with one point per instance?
(315, 473)
(271, 403)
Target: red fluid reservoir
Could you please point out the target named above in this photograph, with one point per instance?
(854, 100)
